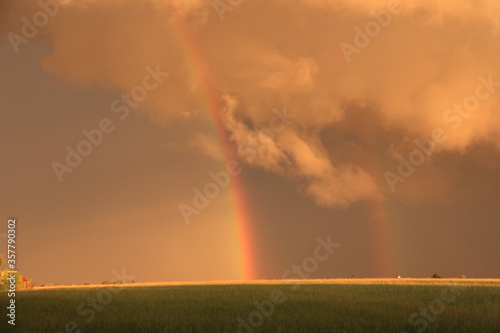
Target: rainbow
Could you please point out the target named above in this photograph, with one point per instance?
(379, 224)
(380, 213)
(380, 220)
(241, 224)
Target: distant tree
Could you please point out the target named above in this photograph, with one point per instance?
(462, 276)
(111, 282)
(354, 276)
(436, 276)
(5, 284)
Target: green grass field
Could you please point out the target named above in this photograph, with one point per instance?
(271, 306)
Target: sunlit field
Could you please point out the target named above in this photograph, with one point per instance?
(341, 305)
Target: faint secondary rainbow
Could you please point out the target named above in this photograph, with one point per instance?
(380, 219)
(241, 222)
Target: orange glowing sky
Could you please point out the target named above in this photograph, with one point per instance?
(375, 122)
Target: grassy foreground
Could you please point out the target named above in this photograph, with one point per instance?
(364, 305)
